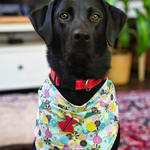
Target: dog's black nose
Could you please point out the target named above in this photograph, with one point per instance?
(81, 36)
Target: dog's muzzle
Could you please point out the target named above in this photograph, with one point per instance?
(81, 52)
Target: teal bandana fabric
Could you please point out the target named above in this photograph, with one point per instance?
(95, 123)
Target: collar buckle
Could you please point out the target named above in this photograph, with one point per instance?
(86, 86)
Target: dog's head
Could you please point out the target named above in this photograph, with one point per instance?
(76, 33)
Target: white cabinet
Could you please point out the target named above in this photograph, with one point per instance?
(23, 66)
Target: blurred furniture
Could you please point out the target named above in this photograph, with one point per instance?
(23, 65)
(15, 24)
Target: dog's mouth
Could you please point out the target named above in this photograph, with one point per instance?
(78, 59)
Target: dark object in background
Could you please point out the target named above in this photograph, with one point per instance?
(10, 9)
(19, 7)
(15, 41)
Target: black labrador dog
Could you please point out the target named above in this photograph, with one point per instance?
(77, 34)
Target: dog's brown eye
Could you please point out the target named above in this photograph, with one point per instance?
(64, 16)
(95, 17)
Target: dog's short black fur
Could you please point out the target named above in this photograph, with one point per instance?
(77, 42)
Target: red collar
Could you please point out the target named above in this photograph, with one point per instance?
(75, 84)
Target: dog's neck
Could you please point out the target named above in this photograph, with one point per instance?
(76, 97)
(75, 84)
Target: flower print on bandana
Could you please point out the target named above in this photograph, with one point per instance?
(94, 125)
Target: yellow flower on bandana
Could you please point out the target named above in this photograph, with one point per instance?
(88, 120)
(40, 144)
(44, 119)
(61, 102)
(106, 115)
(60, 144)
(60, 114)
(113, 107)
(91, 126)
(97, 105)
(81, 109)
(95, 95)
(114, 130)
(111, 87)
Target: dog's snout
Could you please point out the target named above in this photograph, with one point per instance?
(81, 36)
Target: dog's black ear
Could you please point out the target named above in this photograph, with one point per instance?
(115, 22)
(41, 20)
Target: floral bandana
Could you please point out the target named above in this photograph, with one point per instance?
(61, 125)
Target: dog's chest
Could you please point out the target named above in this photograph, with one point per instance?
(63, 125)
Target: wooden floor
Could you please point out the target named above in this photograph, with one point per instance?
(134, 83)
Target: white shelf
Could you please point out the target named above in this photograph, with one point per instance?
(36, 46)
(16, 27)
